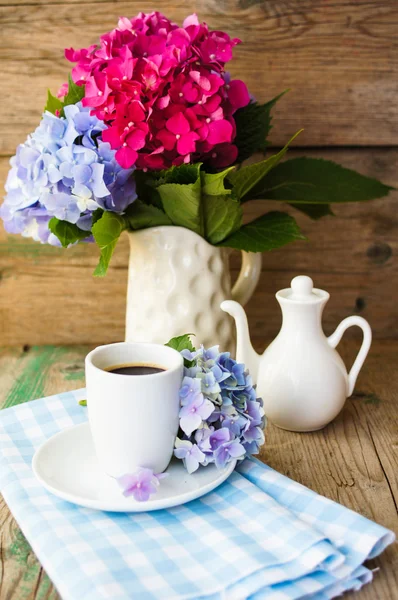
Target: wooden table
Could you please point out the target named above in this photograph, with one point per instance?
(353, 461)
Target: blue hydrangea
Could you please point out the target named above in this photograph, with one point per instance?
(64, 170)
(221, 418)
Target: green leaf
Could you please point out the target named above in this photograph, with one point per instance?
(141, 216)
(145, 186)
(96, 215)
(182, 203)
(222, 216)
(106, 232)
(214, 183)
(75, 92)
(182, 342)
(66, 232)
(53, 103)
(273, 230)
(83, 402)
(253, 125)
(74, 95)
(222, 213)
(317, 181)
(248, 177)
(182, 174)
(314, 211)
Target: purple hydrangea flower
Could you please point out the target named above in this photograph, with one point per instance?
(64, 170)
(253, 439)
(225, 452)
(190, 387)
(141, 484)
(202, 357)
(192, 414)
(189, 453)
(219, 374)
(255, 411)
(236, 372)
(192, 371)
(209, 384)
(81, 123)
(202, 436)
(216, 438)
(220, 415)
(253, 433)
(50, 133)
(235, 422)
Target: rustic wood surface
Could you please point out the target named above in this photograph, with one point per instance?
(353, 461)
(48, 295)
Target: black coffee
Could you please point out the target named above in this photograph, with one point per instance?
(135, 369)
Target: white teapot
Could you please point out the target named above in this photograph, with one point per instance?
(300, 377)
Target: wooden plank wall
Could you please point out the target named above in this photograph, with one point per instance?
(340, 60)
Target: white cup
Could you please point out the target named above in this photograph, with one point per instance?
(133, 418)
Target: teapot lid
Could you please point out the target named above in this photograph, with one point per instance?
(302, 290)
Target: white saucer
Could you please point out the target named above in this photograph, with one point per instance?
(67, 466)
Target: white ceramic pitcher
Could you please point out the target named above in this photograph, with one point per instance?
(301, 377)
(176, 282)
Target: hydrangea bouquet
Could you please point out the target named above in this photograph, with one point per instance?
(151, 130)
(221, 418)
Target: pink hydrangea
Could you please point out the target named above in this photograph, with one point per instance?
(163, 91)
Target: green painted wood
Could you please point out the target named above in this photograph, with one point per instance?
(35, 372)
(33, 369)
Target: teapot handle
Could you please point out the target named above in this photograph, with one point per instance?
(335, 338)
(248, 277)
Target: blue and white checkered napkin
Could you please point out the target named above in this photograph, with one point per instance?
(259, 535)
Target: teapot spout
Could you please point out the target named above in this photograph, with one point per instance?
(245, 352)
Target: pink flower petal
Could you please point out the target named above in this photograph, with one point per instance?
(126, 157)
(127, 481)
(72, 55)
(186, 143)
(80, 73)
(215, 83)
(191, 115)
(136, 139)
(124, 24)
(238, 94)
(92, 101)
(153, 162)
(112, 136)
(190, 93)
(203, 82)
(163, 102)
(203, 131)
(191, 20)
(220, 131)
(212, 103)
(217, 114)
(63, 90)
(178, 124)
(168, 139)
(179, 38)
(136, 112)
(223, 155)
(179, 160)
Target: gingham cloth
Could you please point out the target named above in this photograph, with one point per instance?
(259, 535)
